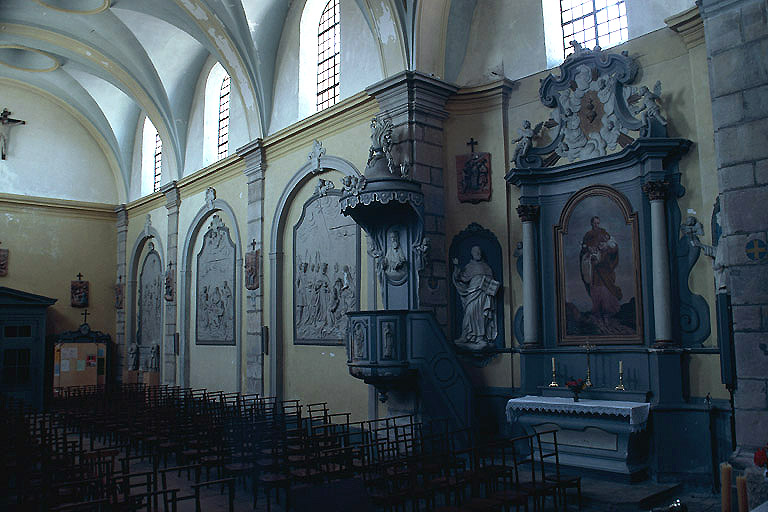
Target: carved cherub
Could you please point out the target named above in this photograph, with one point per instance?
(650, 106)
(525, 140)
(323, 186)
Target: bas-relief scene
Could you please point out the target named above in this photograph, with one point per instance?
(326, 262)
(150, 299)
(215, 305)
(598, 269)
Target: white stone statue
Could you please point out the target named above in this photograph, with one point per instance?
(693, 228)
(477, 289)
(133, 357)
(395, 264)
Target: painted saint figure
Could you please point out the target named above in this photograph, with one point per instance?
(477, 289)
(598, 260)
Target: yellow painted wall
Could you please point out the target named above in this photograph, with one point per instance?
(50, 242)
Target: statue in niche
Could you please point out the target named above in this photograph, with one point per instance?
(388, 340)
(394, 263)
(694, 229)
(477, 289)
(133, 357)
(154, 358)
(358, 341)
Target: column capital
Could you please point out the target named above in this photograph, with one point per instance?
(172, 194)
(122, 217)
(656, 190)
(528, 212)
(255, 159)
(412, 91)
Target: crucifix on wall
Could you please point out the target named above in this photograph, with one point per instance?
(6, 123)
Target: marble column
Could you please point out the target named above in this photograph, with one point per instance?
(662, 318)
(529, 214)
(416, 103)
(255, 165)
(122, 235)
(736, 37)
(172, 204)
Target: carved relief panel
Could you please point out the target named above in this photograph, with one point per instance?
(326, 277)
(150, 328)
(215, 290)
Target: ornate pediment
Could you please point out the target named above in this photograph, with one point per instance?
(595, 109)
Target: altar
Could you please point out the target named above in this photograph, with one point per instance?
(600, 435)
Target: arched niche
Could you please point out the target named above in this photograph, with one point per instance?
(318, 164)
(136, 260)
(187, 263)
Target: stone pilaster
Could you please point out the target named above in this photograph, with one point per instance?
(255, 165)
(736, 35)
(172, 204)
(662, 318)
(529, 214)
(122, 235)
(416, 104)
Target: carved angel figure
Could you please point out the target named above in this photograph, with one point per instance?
(650, 106)
(693, 229)
(323, 186)
(525, 140)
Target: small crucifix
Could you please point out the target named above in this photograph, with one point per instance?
(472, 143)
(253, 244)
(6, 122)
(79, 276)
(85, 316)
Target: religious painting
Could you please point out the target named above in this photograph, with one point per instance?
(170, 283)
(150, 327)
(3, 262)
(252, 270)
(476, 302)
(79, 293)
(215, 307)
(597, 269)
(473, 175)
(326, 271)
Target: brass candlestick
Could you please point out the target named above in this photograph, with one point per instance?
(620, 387)
(588, 383)
(554, 383)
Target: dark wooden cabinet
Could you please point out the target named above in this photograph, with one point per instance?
(22, 345)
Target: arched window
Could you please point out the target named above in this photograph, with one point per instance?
(216, 116)
(223, 139)
(328, 58)
(593, 22)
(151, 158)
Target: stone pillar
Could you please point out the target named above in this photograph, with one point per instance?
(529, 214)
(662, 318)
(416, 104)
(255, 165)
(172, 204)
(736, 35)
(122, 235)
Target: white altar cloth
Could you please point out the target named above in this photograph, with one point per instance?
(636, 412)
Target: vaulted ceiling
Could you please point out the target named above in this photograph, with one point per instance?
(111, 61)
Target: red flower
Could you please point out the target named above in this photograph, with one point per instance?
(761, 458)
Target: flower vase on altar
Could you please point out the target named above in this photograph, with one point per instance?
(576, 386)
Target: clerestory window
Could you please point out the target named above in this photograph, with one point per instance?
(223, 134)
(328, 56)
(593, 22)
